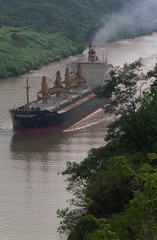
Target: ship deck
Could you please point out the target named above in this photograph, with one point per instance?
(77, 103)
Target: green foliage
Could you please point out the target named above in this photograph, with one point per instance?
(103, 230)
(100, 191)
(23, 50)
(138, 221)
(36, 32)
(109, 190)
(115, 187)
(70, 219)
(126, 131)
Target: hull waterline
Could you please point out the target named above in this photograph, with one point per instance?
(58, 127)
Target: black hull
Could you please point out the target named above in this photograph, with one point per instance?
(31, 122)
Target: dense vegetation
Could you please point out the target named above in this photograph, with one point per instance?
(115, 187)
(37, 32)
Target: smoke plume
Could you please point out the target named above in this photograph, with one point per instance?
(138, 19)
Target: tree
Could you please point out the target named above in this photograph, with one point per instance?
(100, 191)
(103, 230)
(139, 218)
(115, 195)
(126, 99)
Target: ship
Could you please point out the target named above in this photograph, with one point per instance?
(59, 107)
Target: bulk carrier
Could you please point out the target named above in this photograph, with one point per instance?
(67, 102)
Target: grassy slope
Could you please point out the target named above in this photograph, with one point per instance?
(36, 32)
(22, 50)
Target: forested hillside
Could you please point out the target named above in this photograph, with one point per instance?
(37, 32)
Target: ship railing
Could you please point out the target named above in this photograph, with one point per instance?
(23, 108)
(64, 105)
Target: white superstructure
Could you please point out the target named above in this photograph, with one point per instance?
(95, 72)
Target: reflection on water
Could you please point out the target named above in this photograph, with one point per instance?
(43, 144)
(31, 144)
(36, 189)
(31, 187)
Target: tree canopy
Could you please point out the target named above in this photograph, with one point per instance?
(114, 188)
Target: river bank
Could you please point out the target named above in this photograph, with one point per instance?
(23, 50)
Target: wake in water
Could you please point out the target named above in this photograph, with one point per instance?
(6, 127)
(91, 120)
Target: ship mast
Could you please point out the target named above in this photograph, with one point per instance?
(27, 92)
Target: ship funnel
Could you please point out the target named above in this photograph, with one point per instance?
(91, 54)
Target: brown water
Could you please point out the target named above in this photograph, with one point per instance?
(31, 187)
